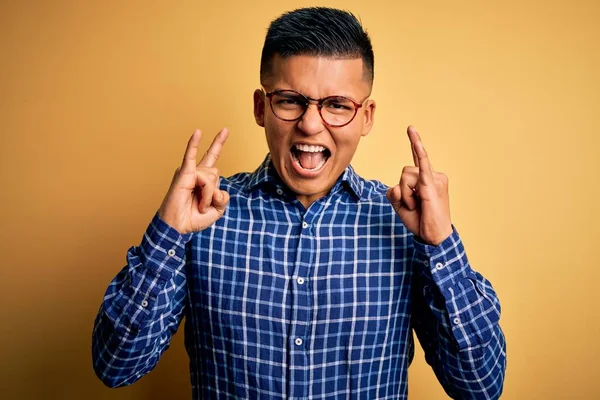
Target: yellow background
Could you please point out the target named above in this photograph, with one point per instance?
(97, 101)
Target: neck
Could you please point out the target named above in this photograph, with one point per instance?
(307, 200)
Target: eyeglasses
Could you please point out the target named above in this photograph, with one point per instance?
(335, 111)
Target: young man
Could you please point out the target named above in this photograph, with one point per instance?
(303, 280)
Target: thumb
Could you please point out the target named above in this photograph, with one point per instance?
(394, 196)
(220, 200)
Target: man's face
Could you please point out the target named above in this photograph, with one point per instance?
(312, 172)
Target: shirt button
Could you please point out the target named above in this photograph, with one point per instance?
(439, 266)
(171, 253)
(456, 321)
(300, 281)
(144, 303)
(279, 191)
(426, 263)
(298, 342)
(305, 225)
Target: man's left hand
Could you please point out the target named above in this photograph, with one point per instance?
(421, 198)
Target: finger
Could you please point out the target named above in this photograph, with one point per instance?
(220, 199)
(408, 182)
(214, 151)
(411, 170)
(189, 159)
(206, 188)
(396, 199)
(412, 145)
(394, 196)
(425, 169)
(414, 154)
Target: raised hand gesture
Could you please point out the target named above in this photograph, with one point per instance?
(194, 200)
(421, 198)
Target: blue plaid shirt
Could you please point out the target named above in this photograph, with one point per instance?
(286, 302)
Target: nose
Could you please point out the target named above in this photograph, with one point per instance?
(311, 122)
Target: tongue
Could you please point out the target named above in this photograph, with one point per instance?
(310, 160)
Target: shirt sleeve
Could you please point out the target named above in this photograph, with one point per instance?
(142, 308)
(456, 318)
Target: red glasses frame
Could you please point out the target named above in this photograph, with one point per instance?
(319, 103)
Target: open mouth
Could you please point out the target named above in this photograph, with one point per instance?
(310, 157)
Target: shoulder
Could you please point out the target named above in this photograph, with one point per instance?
(235, 184)
(374, 191)
(373, 198)
(377, 212)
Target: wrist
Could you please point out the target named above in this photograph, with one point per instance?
(437, 239)
(171, 222)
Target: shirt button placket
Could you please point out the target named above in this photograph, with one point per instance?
(305, 262)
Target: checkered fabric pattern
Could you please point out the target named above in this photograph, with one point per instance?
(283, 302)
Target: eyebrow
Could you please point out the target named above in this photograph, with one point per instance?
(332, 95)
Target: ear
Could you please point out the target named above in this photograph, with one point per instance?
(259, 107)
(369, 117)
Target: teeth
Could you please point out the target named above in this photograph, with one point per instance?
(310, 148)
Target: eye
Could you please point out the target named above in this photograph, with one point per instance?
(288, 99)
(338, 104)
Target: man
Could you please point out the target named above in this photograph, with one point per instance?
(303, 280)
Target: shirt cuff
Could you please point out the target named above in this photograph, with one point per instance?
(163, 248)
(445, 263)
(161, 253)
(448, 268)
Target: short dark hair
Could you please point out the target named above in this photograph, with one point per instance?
(319, 32)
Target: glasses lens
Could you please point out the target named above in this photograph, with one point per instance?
(337, 110)
(288, 105)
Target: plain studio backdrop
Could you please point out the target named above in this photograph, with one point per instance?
(98, 99)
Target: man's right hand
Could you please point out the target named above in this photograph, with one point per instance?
(194, 200)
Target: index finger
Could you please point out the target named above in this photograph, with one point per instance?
(214, 151)
(189, 159)
(419, 154)
(412, 145)
(414, 154)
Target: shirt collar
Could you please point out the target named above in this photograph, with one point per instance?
(266, 174)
